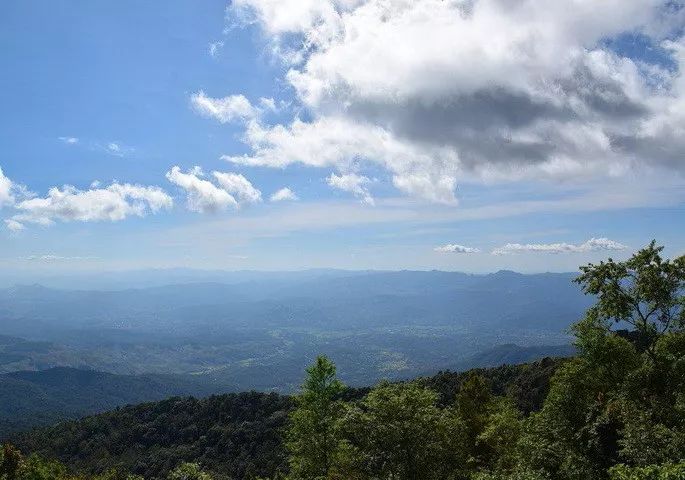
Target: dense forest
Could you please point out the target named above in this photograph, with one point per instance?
(614, 411)
(234, 435)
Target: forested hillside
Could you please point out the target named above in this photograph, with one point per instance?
(29, 399)
(38, 398)
(236, 435)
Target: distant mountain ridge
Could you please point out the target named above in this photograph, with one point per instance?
(257, 330)
(511, 354)
(151, 278)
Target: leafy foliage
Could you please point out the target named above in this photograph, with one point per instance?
(311, 436)
(232, 435)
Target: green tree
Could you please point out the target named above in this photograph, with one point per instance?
(311, 437)
(500, 435)
(396, 432)
(651, 472)
(619, 400)
(36, 468)
(473, 407)
(189, 471)
(645, 292)
(10, 461)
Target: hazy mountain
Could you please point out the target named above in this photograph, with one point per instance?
(510, 354)
(258, 330)
(330, 298)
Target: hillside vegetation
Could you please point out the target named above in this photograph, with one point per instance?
(38, 398)
(30, 399)
(615, 411)
(231, 435)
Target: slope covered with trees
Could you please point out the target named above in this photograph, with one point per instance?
(235, 435)
(29, 399)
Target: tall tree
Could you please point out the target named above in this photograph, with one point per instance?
(646, 292)
(621, 399)
(310, 437)
(396, 432)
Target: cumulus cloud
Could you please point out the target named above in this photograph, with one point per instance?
(6, 188)
(233, 108)
(283, 194)
(238, 185)
(215, 48)
(454, 248)
(437, 92)
(592, 245)
(353, 183)
(204, 196)
(14, 226)
(113, 203)
(116, 149)
(69, 140)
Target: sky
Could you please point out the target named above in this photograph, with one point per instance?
(470, 135)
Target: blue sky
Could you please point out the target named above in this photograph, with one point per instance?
(397, 155)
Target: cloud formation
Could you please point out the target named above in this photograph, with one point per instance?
(114, 148)
(454, 248)
(215, 48)
(67, 204)
(233, 108)
(353, 183)
(203, 196)
(69, 140)
(282, 195)
(239, 186)
(6, 187)
(592, 245)
(547, 95)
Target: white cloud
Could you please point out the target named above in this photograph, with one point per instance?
(227, 109)
(340, 142)
(13, 225)
(592, 245)
(239, 186)
(542, 97)
(284, 194)
(112, 147)
(115, 148)
(353, 183)
(202, 195)
(215, 48)
(6, 188)
(454, 248)
(112, 203)
(268, 104)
